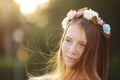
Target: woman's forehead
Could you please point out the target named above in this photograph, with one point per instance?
(76, 32)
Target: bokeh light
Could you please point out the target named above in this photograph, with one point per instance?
(18, 35)
(30, 6)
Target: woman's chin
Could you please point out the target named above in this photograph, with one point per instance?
(69, 65)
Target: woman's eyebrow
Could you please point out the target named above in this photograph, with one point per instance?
(68, 37)
(83, 42)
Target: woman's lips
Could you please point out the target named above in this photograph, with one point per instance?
(70, 59)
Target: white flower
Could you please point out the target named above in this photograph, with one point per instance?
(89, 14)
(65, 23)
(106, 28)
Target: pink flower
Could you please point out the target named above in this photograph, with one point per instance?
(100, 21)
(71, 14)
(78, 14)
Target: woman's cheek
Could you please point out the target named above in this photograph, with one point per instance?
(64, 47)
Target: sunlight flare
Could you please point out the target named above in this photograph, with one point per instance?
(30, 6)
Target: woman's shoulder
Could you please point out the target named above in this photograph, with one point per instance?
(42, 78)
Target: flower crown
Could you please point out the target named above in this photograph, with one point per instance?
(89, 15)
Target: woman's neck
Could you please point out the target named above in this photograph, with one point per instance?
(79, 76)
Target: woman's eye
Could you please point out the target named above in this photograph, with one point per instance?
(67, 40)
(82, 45)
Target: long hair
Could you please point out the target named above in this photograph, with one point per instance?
(94, 60)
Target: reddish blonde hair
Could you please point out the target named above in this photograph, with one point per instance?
(93, 62)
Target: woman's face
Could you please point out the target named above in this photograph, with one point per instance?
(73, 45)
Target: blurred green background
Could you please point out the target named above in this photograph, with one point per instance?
(30, 31)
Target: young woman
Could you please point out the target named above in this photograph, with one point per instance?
(83, 52)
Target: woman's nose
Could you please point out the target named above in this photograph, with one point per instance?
(73, 48)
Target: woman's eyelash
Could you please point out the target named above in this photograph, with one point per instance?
(82, 44)
(67, 40)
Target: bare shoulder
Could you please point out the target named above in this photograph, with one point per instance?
(41, 78)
